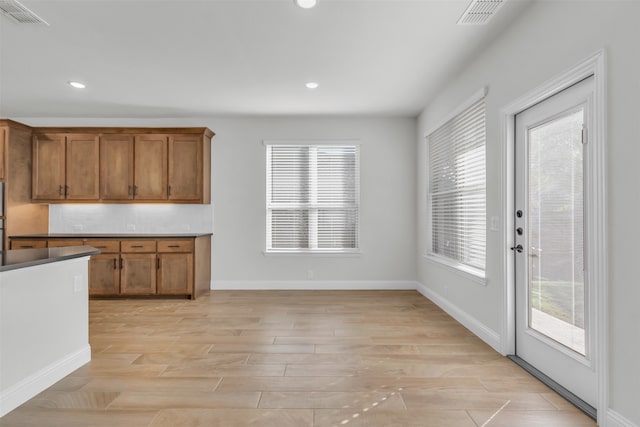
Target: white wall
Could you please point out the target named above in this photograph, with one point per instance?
(387, 232)
(547, 40)
(387, 212)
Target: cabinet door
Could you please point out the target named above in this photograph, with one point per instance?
(185, 168)
(48, 175)
(116, 167)
(138, 275)
(175, 275)
(104, 275)
(150, 169)
(82, 167)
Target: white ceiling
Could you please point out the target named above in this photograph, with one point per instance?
(178, 58)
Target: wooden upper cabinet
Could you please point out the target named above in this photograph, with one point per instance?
(82, 167)
(121, 165)
(185, 168)
(116, 167)
(65, 167)
(150, 169)
(48, 181)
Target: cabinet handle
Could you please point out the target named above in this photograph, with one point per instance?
(115, 264)
(60, 190)
(137, 246)
(169, 190)
(120, 263)
(100, 247)
(174, 246)
(27, 246)
(158, 263)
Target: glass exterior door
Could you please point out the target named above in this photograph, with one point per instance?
(554, 330)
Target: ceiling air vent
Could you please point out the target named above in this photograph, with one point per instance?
(19, 13)
(480, 12)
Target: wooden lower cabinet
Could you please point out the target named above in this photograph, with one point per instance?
(138, 275)
(104, 274)
(175, 274)
(140, 265)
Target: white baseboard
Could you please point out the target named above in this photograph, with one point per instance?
(483, 332)
(312, 285)
(615, 419)
(19, 393)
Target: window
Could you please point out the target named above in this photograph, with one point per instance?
(457, 190)
(312, 198)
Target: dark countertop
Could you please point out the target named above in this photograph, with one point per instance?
(107, 236)
(22, 258)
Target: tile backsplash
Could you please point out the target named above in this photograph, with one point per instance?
(130, 218)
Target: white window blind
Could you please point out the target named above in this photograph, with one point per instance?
(457, 189)
(312, 198)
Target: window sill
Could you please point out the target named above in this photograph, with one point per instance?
(470, 273)
(314, 254)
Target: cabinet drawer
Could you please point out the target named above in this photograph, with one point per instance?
(58, 243)
(28, 244)
(175, 246)
(105, 246)
(134, 246)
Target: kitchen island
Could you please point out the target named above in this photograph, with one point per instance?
(44, 319)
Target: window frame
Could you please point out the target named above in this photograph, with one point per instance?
(472, 273)
(331, 252)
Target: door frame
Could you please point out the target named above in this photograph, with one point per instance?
(595, 204)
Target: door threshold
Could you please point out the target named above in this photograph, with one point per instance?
(589, 410)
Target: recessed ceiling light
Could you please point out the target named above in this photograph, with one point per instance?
(77, 85)
(312, 85)
(306, 4)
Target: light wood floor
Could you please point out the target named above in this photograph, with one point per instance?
(291, 358)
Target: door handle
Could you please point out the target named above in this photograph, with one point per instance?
(517, 248)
